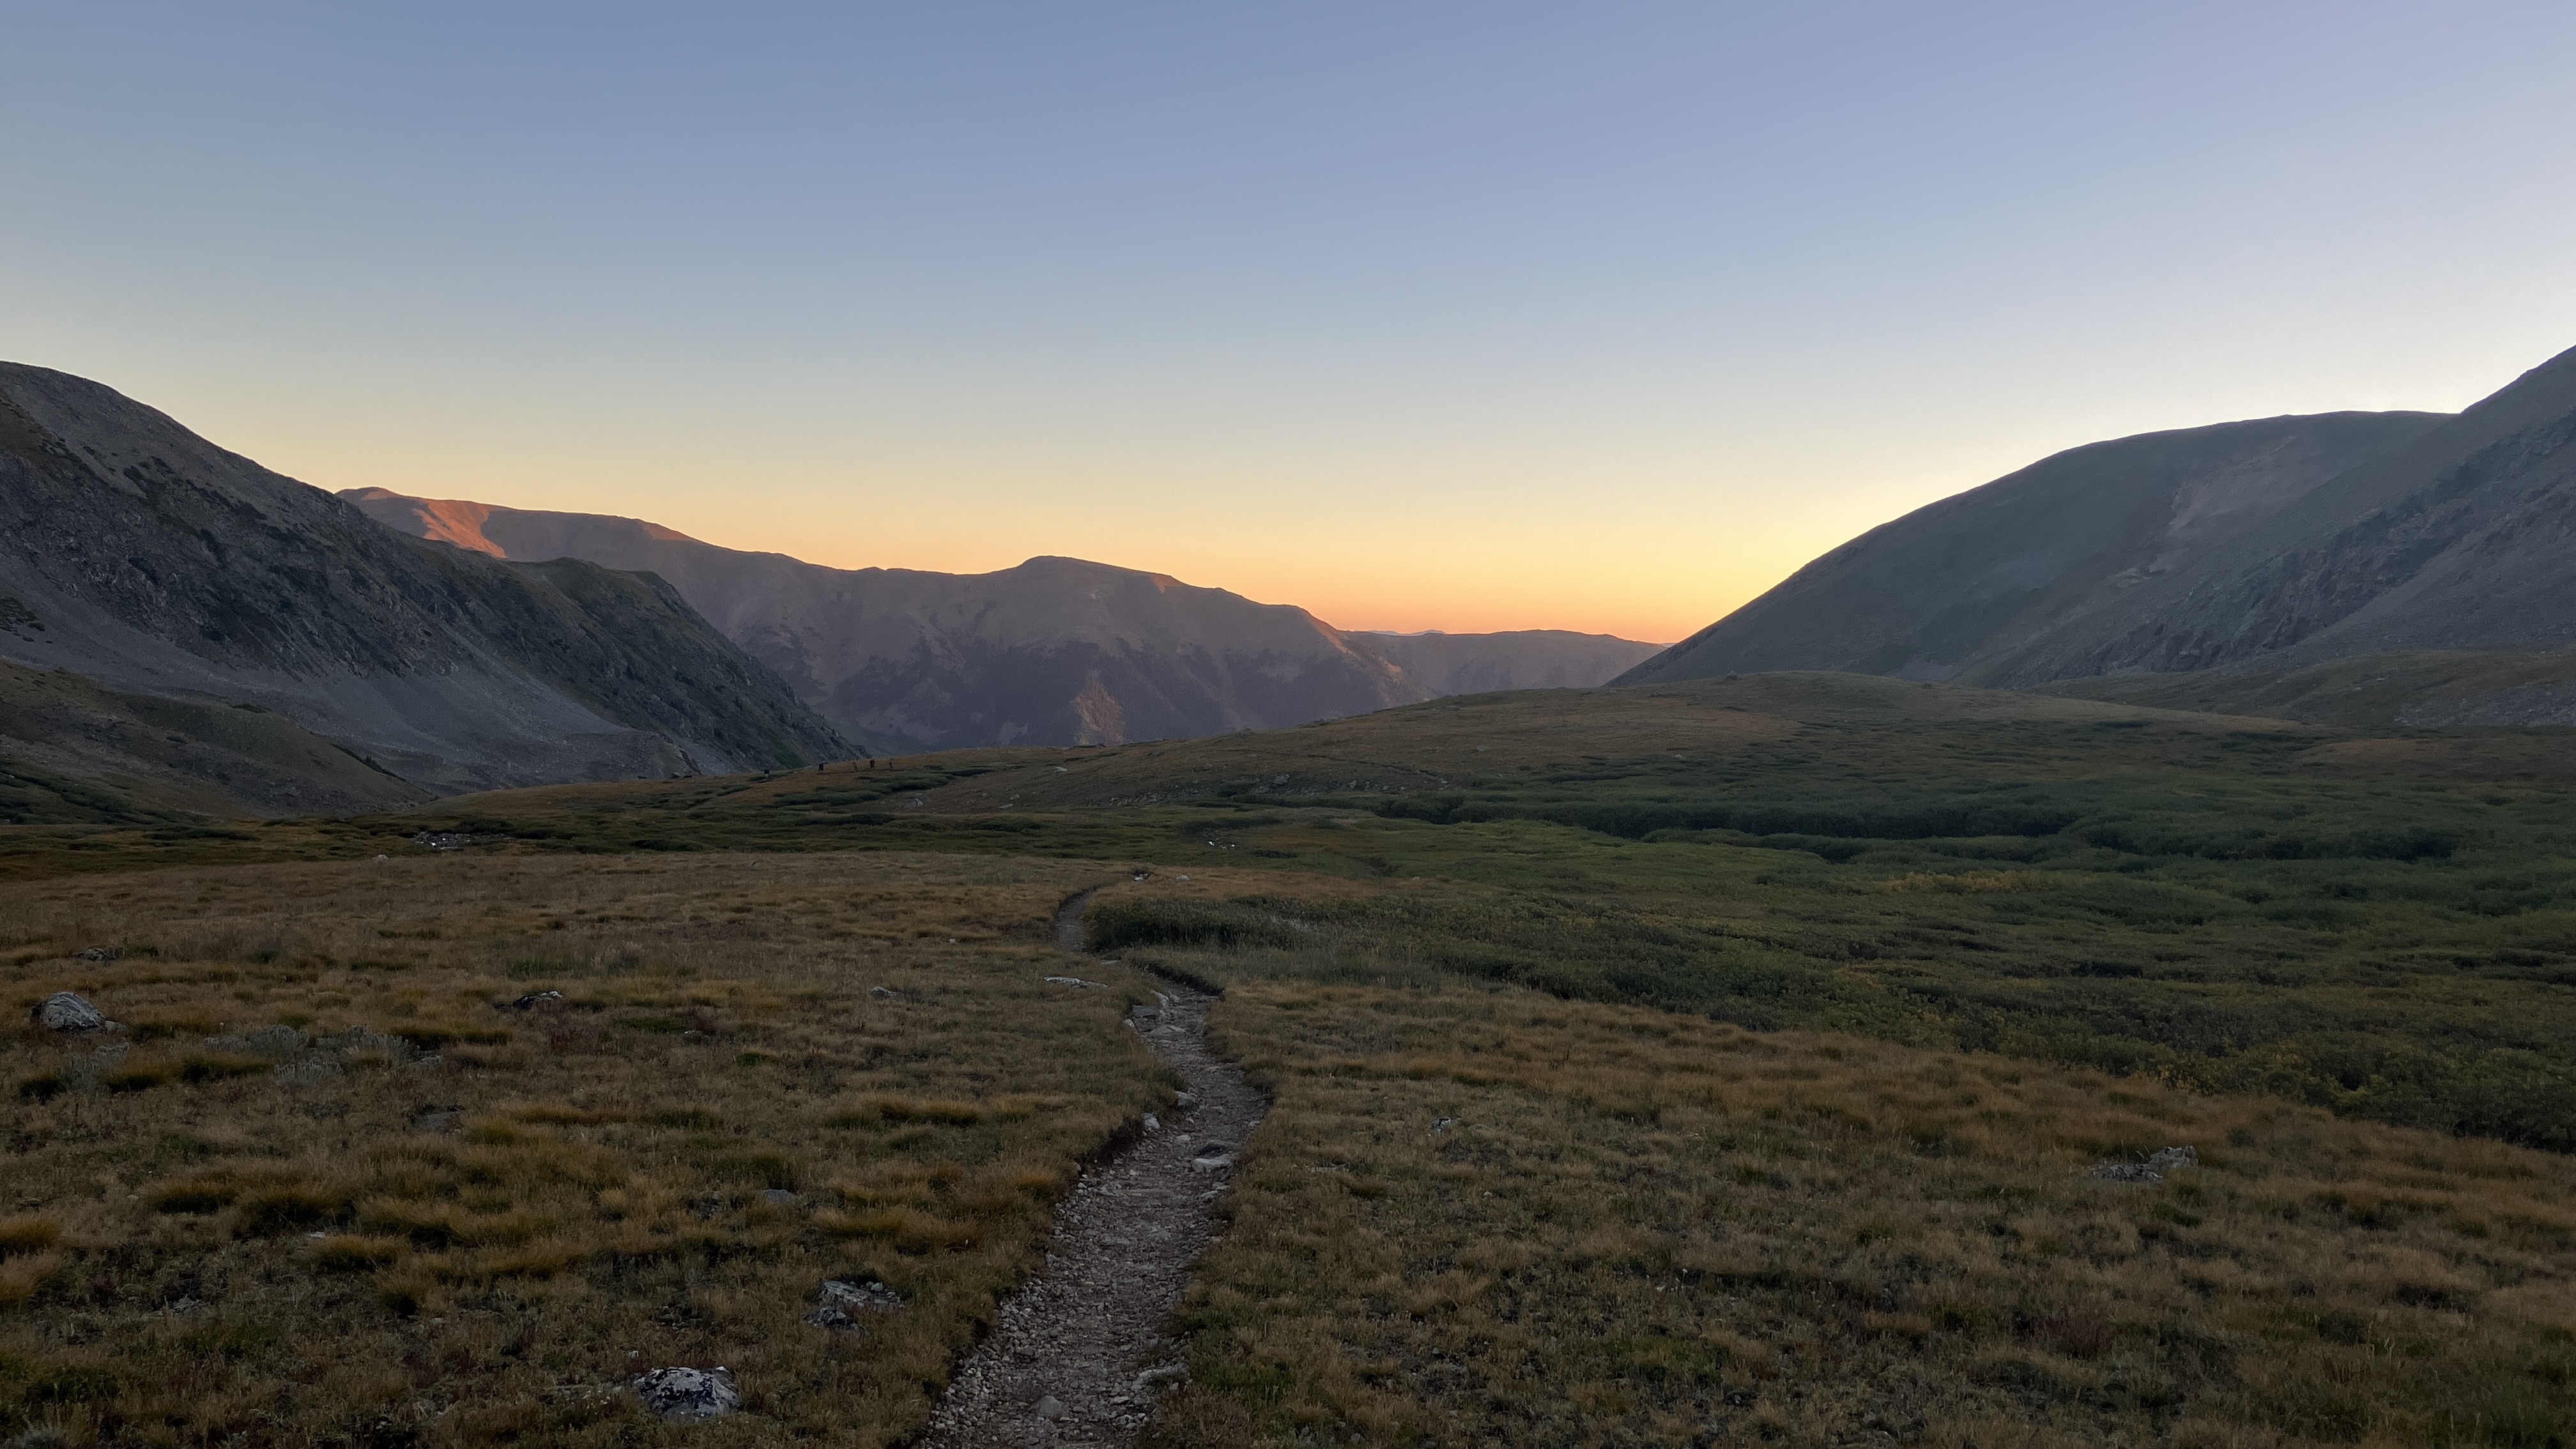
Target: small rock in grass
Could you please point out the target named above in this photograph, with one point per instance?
(68, 1011)
(778, 1197)
(840, 1300)
(1184, 1101)
(687, 1395)
(1073, 981)
(1444, 1124)
(1048, 1407)
(2174, 1159)
(535, 999)
(103, 953)
(884, 993)
(1153, 1123)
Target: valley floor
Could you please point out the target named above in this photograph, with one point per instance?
(1643, 1070)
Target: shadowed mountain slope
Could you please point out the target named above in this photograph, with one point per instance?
(1054, 651)
(2256, 550)
(139, 555)
(1963, 588)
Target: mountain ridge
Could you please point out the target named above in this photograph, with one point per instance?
(138, 555)
(2436, 541)
(1053, 650)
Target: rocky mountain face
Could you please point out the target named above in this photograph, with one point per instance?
(2255, 549)
(175, 577)
(1054, 651)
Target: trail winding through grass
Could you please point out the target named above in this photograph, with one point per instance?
(1077, 1357)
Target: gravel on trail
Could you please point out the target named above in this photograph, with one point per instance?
(1077, 1355)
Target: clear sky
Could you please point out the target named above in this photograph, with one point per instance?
(1459, 314)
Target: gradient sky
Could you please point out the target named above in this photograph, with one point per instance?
(1434, 315)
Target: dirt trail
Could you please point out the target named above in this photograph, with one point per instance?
(1076, 1356)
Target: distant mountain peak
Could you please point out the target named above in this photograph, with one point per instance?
(1054, 650)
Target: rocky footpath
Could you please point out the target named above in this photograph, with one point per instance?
(1077, 1357)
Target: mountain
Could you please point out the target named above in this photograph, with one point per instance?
(1054, 651)
(174, 577)
(2233, 561)
(1958, 590)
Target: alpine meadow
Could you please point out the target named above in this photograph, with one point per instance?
(1147, 726)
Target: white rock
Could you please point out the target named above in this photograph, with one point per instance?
(68, 1011)
(687, 1395)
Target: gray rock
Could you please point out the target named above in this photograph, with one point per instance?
(1170, 1373)
(1073, 981)
(687, 1395)
(1153, 1123)
(103, 953)
(1184, 1101)
(778, 1197)
(2174, 1159)
(1212, 1157)
(1048, 1407)
(68, 1011)
(536, 999)
(839, 1303)
(884, 993)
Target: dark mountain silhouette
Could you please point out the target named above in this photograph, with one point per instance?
(162, 568)
(2247, 551)
(1054, 651)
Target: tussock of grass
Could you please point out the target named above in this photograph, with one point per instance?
(1642, 1228)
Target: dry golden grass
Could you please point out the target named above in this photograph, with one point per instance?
(1642, 1228)
(446, 1220)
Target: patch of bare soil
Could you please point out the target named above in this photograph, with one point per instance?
(1077, 1357)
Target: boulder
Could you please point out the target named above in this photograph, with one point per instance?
(688, 1395)
(68, 1011)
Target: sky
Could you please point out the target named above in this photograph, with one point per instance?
(1438, 315)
